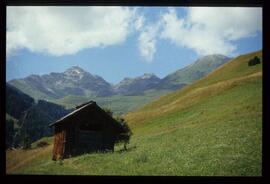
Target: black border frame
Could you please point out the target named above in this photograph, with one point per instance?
(137, 179)
(244, 3)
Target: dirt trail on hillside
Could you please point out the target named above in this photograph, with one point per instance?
(25, 160)
(196, 92)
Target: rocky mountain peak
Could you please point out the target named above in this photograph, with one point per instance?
(75, 71)
(213, 57)
(148, 76)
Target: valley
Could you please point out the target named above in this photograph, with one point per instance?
(212, 126)
(75, 86)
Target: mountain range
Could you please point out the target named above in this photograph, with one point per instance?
(27, 99)
(78, 82)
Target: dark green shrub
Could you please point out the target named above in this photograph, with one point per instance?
(125, 134)
(254, 61)
(108, 111)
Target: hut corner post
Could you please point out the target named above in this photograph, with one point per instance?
(59, 144)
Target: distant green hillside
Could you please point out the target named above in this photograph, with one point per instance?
(210, 128)
(119, 104)
(194, 71)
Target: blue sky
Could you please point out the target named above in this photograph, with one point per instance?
(118, 42)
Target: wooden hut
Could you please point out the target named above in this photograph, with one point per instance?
(88, 128)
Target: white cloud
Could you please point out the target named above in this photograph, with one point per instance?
(139, 22)
(231, 23)
(147, 41)
(66, 30)
(209, 30)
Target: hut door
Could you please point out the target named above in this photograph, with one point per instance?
(59, 144)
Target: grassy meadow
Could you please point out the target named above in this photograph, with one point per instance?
(212, 127)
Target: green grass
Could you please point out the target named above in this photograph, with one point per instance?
(210, 128)
(71, 101)
(48, 140)
(233, 69)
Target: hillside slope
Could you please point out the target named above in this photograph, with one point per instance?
(217, 81)
(211, 128)
(194, 71)
(27, 120)
(17, 101)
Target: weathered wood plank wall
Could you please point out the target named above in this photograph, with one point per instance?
(59, 143)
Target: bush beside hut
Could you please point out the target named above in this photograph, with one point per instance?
(123, 137)
(254, 61)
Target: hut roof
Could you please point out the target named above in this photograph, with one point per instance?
(83, 106)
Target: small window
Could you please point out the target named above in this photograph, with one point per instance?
(90, 126)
